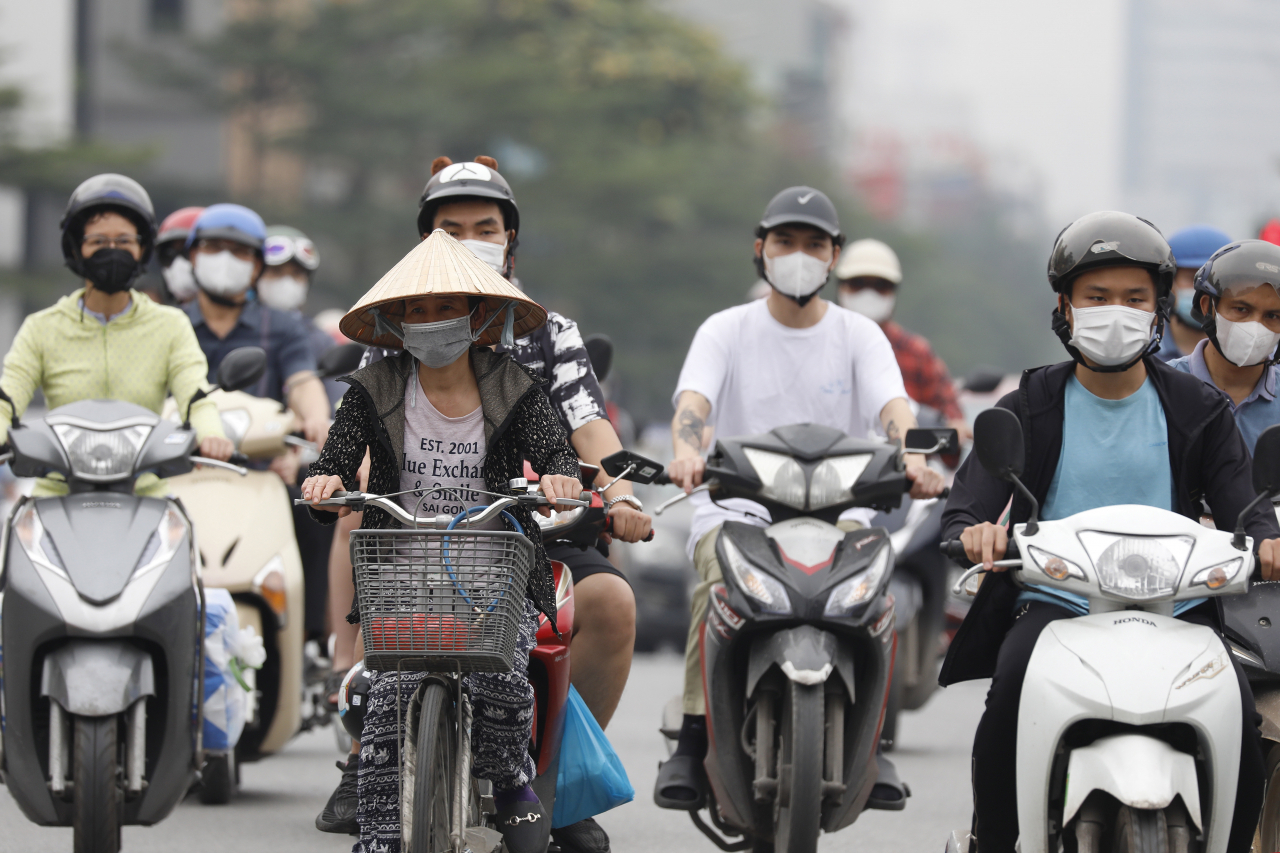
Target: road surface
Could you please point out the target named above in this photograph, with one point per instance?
(281, 795)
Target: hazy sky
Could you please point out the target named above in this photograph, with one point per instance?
(1037, 85)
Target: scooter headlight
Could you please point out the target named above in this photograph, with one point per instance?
(767, 592)
(101, 455)
(36, 542)
(859, 588)
(163, 543)
(1139, 568)
(236, 423)
(833, 479)
(780, 476)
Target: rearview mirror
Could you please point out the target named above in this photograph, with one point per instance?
(932, 440)
(645, 469)
(339, 361)
(600, 352)
(241, 368)
(997, 439)
(1266, 462)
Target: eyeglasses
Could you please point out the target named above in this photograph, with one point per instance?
(215, 245)
(101, 241)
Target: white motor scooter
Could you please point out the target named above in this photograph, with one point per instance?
(1130, 721)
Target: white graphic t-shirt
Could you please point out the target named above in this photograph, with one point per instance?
(440, 452)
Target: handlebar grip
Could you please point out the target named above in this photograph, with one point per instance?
(608, 528)
(238, 458)
(662, 479)
(649, 538)
(953, 549)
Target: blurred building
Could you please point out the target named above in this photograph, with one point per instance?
(793, 49)
(1201, 122)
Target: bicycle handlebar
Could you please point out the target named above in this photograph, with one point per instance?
(359, 500)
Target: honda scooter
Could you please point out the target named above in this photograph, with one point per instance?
(247, 546)
(1130, 721)
(798, 643)
(102, 620)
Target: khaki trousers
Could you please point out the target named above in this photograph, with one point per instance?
(707, 566)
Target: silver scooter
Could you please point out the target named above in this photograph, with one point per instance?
(101, 620)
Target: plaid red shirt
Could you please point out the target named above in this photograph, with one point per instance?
(923, 373)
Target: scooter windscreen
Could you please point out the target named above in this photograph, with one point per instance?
(101, 442)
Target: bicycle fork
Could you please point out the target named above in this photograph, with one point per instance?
(462, 781)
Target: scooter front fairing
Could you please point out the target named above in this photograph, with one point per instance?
(143, 614)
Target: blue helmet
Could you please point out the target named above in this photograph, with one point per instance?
(233, 222)
(1192, 247)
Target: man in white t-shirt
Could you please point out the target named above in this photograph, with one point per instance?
(790, 358)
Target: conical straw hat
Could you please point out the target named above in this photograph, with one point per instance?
(440, 265)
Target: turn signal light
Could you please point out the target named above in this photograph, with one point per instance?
(269, 583)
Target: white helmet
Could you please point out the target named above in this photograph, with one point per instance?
(869, 258)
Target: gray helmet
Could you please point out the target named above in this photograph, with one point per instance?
(456, 181)
(803, 205)
(104, 192)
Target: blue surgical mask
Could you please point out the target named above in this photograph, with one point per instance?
(1186, 301)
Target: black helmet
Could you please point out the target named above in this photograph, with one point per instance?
(353, 699)
(1109, 238)
(1242, 265)
(102, 193)
(804, 205)
(455, 181)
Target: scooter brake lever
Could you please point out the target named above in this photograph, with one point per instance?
(667, 504)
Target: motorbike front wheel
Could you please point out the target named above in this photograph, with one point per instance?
(1140, 831)
(798, 815)
(1269, 821)
(96, 775)
(435, 764)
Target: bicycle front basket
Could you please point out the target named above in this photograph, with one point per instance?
(440, 601)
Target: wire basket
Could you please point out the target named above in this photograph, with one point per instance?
(440, 600)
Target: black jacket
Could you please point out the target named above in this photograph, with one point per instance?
(519, 424)
(1208, 457)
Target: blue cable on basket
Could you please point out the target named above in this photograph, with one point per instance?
(444, 548)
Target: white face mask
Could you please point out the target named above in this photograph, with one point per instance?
(1111, 334)
(869, 302)
(182, 284)
(223, 273)
(286, 293)
(1247, 343)
(493, 254)
(797, 274)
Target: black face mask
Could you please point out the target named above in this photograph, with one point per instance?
(111, 270)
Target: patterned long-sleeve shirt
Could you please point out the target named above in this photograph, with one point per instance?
(923, 373)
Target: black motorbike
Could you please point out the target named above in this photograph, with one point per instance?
(798, 643)
(101, 620)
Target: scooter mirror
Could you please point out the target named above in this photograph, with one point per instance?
(600, 353)
(997, 439)
(646, 470)
(932, 440)
(1266, 462)
(241, 368)
(339, 361)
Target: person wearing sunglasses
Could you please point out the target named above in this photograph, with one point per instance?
(107, 340)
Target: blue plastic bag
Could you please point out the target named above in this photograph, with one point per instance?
(591, 779)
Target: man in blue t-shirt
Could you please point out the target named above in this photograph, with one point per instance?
(1112, 426)
(1237, 305)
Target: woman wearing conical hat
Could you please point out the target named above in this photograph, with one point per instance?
(445, 418)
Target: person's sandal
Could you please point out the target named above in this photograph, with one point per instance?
(889, 793)
(525, 827)
(681, 784)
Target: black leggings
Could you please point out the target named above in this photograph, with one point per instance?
(995, 790)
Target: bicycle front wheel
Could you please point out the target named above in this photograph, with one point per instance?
(434, 766)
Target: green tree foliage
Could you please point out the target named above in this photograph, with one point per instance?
(635, 148)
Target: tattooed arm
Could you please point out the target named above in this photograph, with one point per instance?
(896, 417)
(688, 434)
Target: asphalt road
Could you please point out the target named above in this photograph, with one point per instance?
(281, 796)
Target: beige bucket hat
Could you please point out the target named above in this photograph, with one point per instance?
(440, 265)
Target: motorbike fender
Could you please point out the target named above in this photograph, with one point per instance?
(1139, 771)
(97, 678)
(805, 654)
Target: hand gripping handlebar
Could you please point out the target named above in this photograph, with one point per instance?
(359, 500)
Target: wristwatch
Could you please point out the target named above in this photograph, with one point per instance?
(629, 499)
